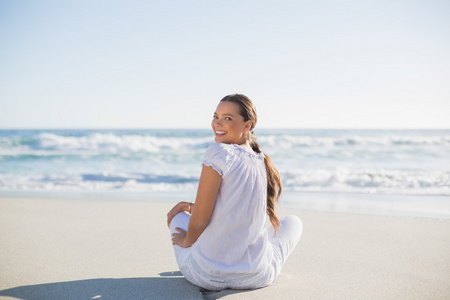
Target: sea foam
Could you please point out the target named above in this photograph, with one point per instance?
(412, 162)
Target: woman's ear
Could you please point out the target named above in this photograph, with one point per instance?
(248, 125)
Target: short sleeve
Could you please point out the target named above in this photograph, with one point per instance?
(218, 157)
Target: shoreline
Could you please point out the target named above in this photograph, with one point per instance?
(434, 207)
(72, 249)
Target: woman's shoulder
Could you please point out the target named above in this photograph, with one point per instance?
(230, 150)
(220, 157)
(219, 148)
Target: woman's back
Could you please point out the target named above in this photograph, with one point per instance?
(235, 241)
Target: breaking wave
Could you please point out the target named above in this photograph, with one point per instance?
(365, 161)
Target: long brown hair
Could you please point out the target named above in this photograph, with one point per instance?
(274, 186)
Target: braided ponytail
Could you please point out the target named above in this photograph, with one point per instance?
(274, 186)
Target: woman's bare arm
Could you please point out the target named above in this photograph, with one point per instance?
(205, 201)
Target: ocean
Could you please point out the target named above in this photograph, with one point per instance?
(388, 172)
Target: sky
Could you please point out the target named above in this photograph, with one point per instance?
(166, 64)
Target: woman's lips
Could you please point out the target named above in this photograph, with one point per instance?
(220, 133)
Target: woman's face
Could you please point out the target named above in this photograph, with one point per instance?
(228, 125)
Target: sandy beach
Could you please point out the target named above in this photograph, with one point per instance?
(98, 249)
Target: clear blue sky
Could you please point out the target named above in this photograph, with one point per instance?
(166, 64)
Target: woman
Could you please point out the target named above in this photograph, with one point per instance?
(221, 242)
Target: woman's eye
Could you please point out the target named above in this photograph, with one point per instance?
(215, 117)
(228, 119)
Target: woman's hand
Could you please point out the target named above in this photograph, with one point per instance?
(179, 238)
(173, 212)
(179, 207)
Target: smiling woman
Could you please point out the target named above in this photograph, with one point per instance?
(229, 126)
(221, 242)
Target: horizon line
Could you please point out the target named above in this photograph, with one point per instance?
(198, 128)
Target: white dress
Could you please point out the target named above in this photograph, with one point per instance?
(234, 250)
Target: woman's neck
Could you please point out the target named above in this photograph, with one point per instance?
(246, 146)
